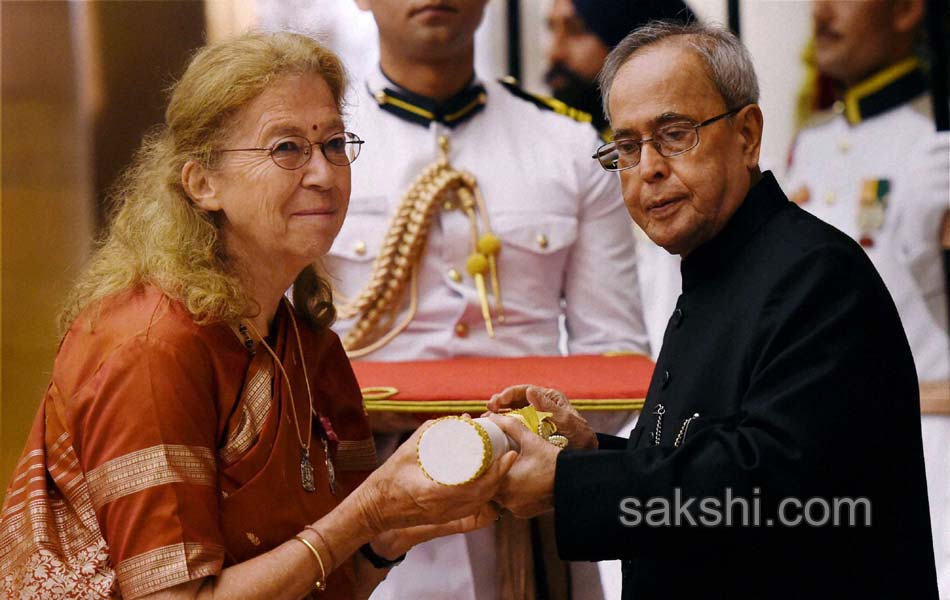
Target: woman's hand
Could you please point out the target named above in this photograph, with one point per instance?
(399, 495)
(569, 422)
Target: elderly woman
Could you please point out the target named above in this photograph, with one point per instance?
(201, 435)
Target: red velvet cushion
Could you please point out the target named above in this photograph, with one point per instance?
(592, 382)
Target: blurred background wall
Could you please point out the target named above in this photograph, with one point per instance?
(83, 80)
(47, 212)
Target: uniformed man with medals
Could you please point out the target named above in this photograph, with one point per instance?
(874, 167)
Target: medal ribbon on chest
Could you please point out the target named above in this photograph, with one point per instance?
(872, 208)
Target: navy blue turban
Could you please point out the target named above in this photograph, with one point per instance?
(612, 20)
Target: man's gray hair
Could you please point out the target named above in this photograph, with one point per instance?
(727, 61)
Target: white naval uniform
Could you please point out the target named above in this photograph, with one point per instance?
(830, 164)
(567, 250)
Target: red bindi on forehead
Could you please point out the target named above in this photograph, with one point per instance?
(314, 127)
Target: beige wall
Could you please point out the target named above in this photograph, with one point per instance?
(46, 206)
(81, 83)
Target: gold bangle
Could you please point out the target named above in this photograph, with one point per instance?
(321, 584)
(326, 546)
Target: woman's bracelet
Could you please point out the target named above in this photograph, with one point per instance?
(326, 546)
(321, 584)
(379, 562)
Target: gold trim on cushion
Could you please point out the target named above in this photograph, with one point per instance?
(460, 406)
(379, 392)
(255, 405)
(167, 566)
(150, 467)
(356, 455)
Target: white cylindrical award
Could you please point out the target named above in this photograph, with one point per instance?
(457, 450)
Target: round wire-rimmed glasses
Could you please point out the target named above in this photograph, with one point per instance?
(294, 151)
(669, 140)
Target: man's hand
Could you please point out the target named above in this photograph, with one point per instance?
(569, 422)
(528, 489)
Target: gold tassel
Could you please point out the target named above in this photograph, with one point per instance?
(378, 304)
(490, 246)
(476, 265)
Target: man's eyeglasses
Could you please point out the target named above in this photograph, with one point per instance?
(294, 151)
(670, 140)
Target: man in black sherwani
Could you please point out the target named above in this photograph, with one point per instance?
(779, 452)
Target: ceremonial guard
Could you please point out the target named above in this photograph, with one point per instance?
(874, 167)
(478, 225)
(492, 173)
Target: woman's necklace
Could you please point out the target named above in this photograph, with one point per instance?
(306, 469)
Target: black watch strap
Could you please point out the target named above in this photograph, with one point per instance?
(378, 561)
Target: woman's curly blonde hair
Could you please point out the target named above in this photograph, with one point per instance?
(157, 235)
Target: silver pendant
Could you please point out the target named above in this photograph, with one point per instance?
(306, 471)
(331, 472)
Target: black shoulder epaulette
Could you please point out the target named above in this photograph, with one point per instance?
(544, 102)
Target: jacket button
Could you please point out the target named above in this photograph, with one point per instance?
(461, 330)
(665, 383)
(455, 276)
(677, 317)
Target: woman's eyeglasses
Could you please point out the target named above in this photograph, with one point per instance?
(294, 151)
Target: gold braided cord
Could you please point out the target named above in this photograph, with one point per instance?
(388, 337)
(377, 304)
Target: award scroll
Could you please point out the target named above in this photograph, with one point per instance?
(456, 450)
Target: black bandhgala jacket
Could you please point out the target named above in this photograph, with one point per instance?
(788, 347)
